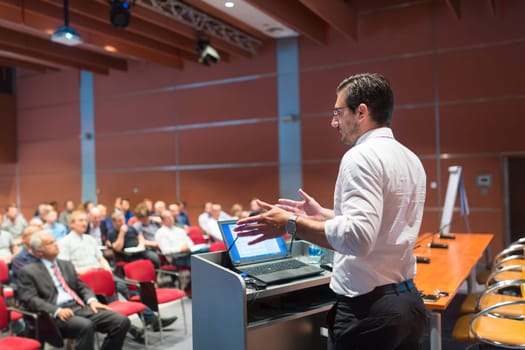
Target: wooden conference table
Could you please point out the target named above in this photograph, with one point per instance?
(447, 270)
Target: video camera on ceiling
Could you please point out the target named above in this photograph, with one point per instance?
(207, 52)
(119, 14)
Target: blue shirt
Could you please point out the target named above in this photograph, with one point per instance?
(59, 231)
(22, 259)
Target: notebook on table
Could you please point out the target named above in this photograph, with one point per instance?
(269, 261)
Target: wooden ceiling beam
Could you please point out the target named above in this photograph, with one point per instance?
(174, 26)
(125, 41)
(124, 48)
(296, 16)
(22, 64)
(38, 9)
(338, 14)
(94, 16)
(71, 56)
(224, 17)
(24, 51)
(10, 12)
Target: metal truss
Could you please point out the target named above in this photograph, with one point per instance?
(203, 23)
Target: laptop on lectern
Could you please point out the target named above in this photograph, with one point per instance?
(269, 260)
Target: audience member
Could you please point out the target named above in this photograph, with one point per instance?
(173, 240)
(52, 286)
(149, 204)
(213, 227)
(25, 255)
(94, 226)
(50, 223)
(108, 223)
(7, 246)
(87, 206)
(205, 217)
(255, 208)
(63, 218)
(42, 210)
(236, 210)
(14, 223)
(122, 236)
(84, 253)
(36, 221)
(79, 248)
(125, 206)
(183, 214)
(158, 208)
(146, 226)
(175, 212)
(117, 205)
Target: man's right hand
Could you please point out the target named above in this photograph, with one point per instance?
(123, 229)
(65, 314)
(307, 207)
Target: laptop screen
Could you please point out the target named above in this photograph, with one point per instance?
(241, 253)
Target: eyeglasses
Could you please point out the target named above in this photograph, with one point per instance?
(338, 113)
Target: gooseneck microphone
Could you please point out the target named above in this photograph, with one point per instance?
(432, 244)
(445, 235)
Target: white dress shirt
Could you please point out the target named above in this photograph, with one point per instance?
(172, 239)
(378, 205)
(82, 250)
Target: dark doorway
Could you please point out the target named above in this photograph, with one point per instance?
(516, 172)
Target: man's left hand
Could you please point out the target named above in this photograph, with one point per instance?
(268, 224)
(95, 306)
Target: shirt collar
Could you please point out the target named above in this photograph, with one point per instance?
(375, 133)
(48, 263)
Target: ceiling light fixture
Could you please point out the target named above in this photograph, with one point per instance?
(66, 35)
(229, 4)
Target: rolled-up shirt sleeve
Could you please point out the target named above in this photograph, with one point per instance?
(355, 227)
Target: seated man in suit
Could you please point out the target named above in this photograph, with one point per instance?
(52, 286)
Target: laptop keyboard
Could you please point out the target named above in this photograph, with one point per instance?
(273, 267)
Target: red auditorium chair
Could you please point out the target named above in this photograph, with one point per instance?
(11, 342)
(102, 283)
(4, 278)
(142, 273)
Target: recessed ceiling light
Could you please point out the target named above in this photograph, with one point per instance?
(229, 4)
(110, 48)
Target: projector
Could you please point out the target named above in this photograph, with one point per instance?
(66, 36)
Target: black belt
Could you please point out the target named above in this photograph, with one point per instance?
(393, 288)
(400, 287)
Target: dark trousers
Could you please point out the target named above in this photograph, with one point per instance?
(386, 320)
(85, 323)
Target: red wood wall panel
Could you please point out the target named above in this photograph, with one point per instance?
(234, 144)
(463, 76)
(254, 98)
(50, 89)
(136, 186)
(477, 127)
(134, 112)
(49, 123)
(135, 150)
(228, 186)
(36, 188)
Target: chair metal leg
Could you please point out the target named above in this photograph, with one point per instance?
(145, 332)
(184, 316)
(159, 320)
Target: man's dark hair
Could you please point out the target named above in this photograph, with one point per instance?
(374, 91)
(141, 211)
